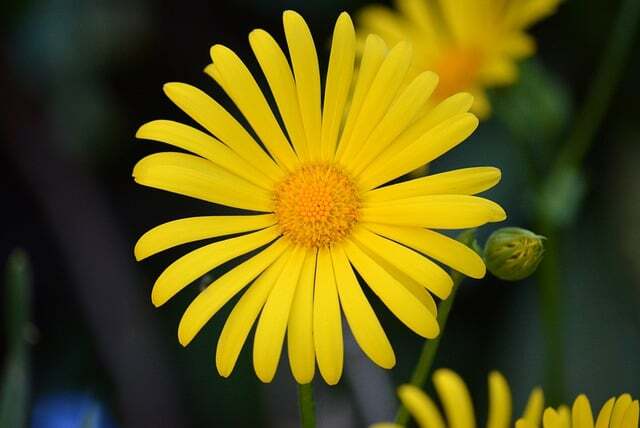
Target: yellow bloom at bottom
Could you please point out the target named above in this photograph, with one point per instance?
(621, 412)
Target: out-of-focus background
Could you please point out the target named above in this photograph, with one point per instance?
(76, 80)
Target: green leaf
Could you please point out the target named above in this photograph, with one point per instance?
(15, 377)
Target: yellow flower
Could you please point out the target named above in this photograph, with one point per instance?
(316, 206)
(470, 44)
(620, 412)
(458, 406)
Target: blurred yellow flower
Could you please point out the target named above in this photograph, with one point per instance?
(470, 44)
(316, 206)
(458, 405)
(620, 412)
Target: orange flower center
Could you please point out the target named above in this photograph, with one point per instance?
(316, 205)
(458, 69)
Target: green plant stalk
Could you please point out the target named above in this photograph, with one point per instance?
(571, 155)
(425, 362)
(307, 406)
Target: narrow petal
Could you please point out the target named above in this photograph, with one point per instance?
(212, 298)
(276, 69)
(199, 178)
(402, 112)
(522, 423)
(414, 265)
(383, 90)
(440, 247)
(465, 181)
(193, 265)
(361, 318)
(428, 147)
(604, 416)
(581, 415)
(302, 357)
(243, 315)
(421, 407)
(339, 75)
(397, 298)
(237, 81)
(619, 409)
(435, 211)
(533, 409)
(208, 113)
(630, 419)
(192, 229)
(195, 141)
(304, 61)
(327, 323)
(499, 401)
(272, 324)
(455, 399)
(373, 55)
(446, 109)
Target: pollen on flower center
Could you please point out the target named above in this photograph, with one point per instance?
(316, 205)
(457, 69)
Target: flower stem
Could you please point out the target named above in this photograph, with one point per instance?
(307, 406)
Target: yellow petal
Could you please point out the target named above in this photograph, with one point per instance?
(581, 414)
(605, 414)
(304, 61)
(208, 113)
(276, 69)
(412, 264)
(429, 146)
(455, 399)
(382, 21)
(212, 298)
(435, 211)
(362, 320)
(630, 419)
(195, 141)
(193, 265)
(440, 247)
(522, 423)
(533, 410)
(272, 324)
(192, 229)
(327, 323)
(300, 326)
(446, 109)
(400, 115)
(373, 55)
(404, 305)
(500, 71)
(421, 407)
(619, 409)
(242, 317)
(378, 99)
(239, 84)
(339, 75)
(499, 401)
(465, 181)
(199, 178)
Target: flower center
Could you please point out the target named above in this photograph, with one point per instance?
(316, 205)
(458, 69)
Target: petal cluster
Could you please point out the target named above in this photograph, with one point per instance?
(472, 45)
(323, 230)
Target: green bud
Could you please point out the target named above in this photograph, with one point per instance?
(513, 253)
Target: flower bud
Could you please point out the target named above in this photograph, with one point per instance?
(513, 253)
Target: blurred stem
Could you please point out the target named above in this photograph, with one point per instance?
(571, 155)
(422, 369)
(307, 406)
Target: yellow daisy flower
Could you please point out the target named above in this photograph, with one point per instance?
(316, 208)
(470, 44)
(458, 405)
(620, 412)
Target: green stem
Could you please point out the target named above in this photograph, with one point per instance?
(425, 362)
(307, 407)
(571, 155)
